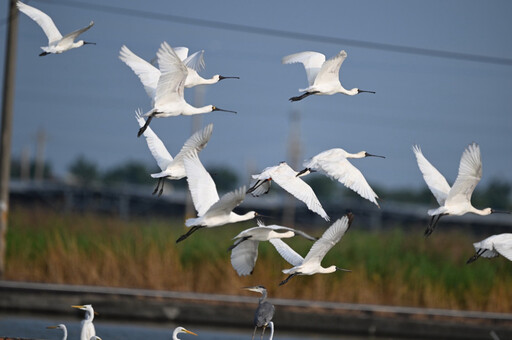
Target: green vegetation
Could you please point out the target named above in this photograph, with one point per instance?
(392, 267)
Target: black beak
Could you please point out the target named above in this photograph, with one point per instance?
(304, 172)
(500, 212)
(343, 269)
(215, 108)
(359, 91)
(89, 43)
(222, 77)
(370, 155)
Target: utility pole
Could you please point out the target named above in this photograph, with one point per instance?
(6, 128)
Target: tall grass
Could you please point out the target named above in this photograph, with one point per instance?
(392, 267)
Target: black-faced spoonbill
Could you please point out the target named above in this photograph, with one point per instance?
(56, 42)
(457, 199)
(493, 246)
(311, 264)
(323, 75)
(172, 168)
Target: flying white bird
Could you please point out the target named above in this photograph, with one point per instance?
(323, 75)
(212, 211)
(288, 179)
(334, 164)
(64, 329)
(179, 330)
(149, 74)
(493, 246)
(311, 264)
(87, 327)
(172, 168)
(244, 252)
(56, 42)
(457, 199)
(168, 95)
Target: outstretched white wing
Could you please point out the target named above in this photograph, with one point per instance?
(312, 62)
(470, 173)
(285, 176)
(329, 238)
(171, 83)
(200, 183)
(244, 256)
(181, 52)
(330, 69)
(43, 20)
(147, 73)
(503, 245)
(196, 142)
(70, 37)
(155, 145)
(195, 61)
(286, 252)
(435, 181)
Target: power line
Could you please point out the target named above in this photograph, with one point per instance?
(282, 33)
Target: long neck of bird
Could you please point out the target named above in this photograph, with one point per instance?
(263, 296)
(192, 110)
(327, 270)
(239, 218)
(482, 212)
(65, 330)
(360, 154)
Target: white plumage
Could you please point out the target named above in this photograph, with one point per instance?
(56, 42)
(493, 246)
(179, 330)
(244, 252)
(323, 75)
(311, 264)
(87, 327)
(334, 164)
(172, 168)
(287, 179)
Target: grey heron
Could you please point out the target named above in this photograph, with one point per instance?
(264, 312)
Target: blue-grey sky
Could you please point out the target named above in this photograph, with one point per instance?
(85, 98)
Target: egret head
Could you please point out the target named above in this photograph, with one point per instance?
(87, 308)
(215, 108)
(179, 330)
(60, 326)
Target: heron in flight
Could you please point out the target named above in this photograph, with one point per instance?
(311, 264)
(264, 313)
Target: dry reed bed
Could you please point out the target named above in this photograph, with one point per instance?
(391, 267)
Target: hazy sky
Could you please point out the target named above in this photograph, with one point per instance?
(85, 98)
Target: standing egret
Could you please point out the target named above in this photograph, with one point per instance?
(56, 42)
(457, 199)
(493, 246)
(212, 211)
(64, 329)
(288, 179)
(172, 168)
(179, 330)
(334, 164)
(311, 264)
(244, 252)
(264, 312)
(87, 327)
(323, 75)
(168, 97)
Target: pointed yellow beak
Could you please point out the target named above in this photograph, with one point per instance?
(189, 332)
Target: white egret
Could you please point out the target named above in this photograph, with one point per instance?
(264, 313)
(64, 329)
(87, 327)
(334, 164)
(311, 264)
(172, 168)
(323, 75)
(457, 199)
(212, 211)
(168, 95)
(179, 330)
(493, 246)
(244, 252)
(56, 42)
(287, 179)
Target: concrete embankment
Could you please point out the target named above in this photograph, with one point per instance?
(238, 311)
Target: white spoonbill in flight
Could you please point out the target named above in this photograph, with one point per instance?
(493, 246)
(168, 99)
(244, 252)
(172, 168)
(323, 75)
(311, 264)
(457, 199)
(56, 42)
(288, 179)
(149, 74)
(212, 211)
(335, 165)
(87, 327)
